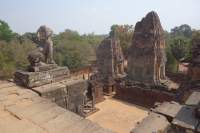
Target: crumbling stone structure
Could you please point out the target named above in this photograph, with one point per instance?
(42, 69)
(172, 117)
(110, 62)
(194, 68)
(146, 82)
(75, 95)
(146, 59)
(96, 87)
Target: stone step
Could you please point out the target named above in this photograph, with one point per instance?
(48, 115)
(17, 91)
(102, 130)
(8, 90)
(23, 102)
(4, 114)
(24, 111)
(1, 106)
(27, 102)
(65, 120)
(14, 97)
(13, 125)
(84, 126)
(7, 84)
(34, 130)
(48, 88)
(28, 112)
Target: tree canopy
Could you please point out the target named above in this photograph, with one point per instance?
(75, 51)
(124, 33)
(6, 33)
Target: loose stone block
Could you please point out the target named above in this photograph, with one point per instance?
(193, 99)
(168, 109)
(185, 119)
(153, 123)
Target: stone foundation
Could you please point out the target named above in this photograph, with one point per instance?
(73, 95)
(144, 95)
(34, 79)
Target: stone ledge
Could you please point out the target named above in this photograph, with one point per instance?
(35, 79)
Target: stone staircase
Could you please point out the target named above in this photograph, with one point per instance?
(24, 111)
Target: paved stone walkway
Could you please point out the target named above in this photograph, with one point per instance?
(24, 111)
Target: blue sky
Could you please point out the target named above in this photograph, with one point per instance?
(86, 16)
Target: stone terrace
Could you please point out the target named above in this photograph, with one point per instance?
(24, 111)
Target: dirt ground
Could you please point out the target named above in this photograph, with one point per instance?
(118, 116)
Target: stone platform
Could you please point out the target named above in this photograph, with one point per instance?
(146, 94)
(71, 94)
(34, 79)
(24, 111)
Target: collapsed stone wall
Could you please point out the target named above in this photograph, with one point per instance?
(173, 117)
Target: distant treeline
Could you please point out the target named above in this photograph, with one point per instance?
(75, 51)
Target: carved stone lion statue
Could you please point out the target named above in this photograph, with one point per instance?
(44, 53)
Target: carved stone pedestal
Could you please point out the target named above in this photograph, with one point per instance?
(34, 79)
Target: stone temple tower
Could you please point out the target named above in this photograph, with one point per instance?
(146, 59)
(110, 62)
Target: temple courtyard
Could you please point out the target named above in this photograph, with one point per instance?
(117, 115)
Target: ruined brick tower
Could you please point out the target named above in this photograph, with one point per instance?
(146, 59)
(194, 67)
(109, 62)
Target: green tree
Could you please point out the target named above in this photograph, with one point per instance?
(183, 30)
(124, 33)
(180, 48)
(178, 43)
(6, 33)
(74, 50)
(13, 56)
